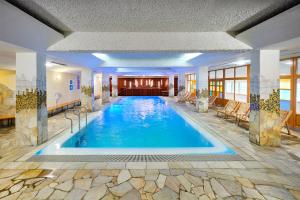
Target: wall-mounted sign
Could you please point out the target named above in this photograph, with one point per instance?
(78, 82)
(71, 86)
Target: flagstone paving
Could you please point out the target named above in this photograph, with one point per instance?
(61, 184)
(263, 173)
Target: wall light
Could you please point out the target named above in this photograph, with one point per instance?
(57, 77)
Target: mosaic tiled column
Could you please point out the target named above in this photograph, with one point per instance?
(171, 85)
(31, 107)
(114, 85)
(105, 88)
(264, 126)
(201, 89)
(87, 89)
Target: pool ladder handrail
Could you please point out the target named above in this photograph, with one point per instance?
(79, 108)
(76, 111)
(66, 117)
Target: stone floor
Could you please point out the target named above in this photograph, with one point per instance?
(264, 173)
(56, 125)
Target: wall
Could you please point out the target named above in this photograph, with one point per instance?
(58, 90)
(7, 92)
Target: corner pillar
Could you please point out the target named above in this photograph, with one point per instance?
(114, 82)
(171, 85)
(105, 88)
(264, 127)
(181, 82)
(87, 89)
(201, 89)
(31, 99)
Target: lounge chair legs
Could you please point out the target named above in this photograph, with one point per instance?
(288, 129)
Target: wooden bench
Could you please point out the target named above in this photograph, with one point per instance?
(8, 118)
(51, 111)
(61, 107)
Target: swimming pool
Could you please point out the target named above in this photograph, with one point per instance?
(138, 125)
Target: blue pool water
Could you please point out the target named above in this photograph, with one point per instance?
(136, 122)
(138, 125)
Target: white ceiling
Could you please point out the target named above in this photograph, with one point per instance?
(153, 33)
(149, 15)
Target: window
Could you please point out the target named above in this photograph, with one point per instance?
(241, 71)
(229, 73)
(212, 74)
(219, 88)
(298, 88)
(285, 94)
(191, 83)
(229, 89)
(233, 84)
(219, 74)
(241, 90)
(298, 96)
(285, 67)
(212, 88)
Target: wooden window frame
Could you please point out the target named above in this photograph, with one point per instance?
(234, 78)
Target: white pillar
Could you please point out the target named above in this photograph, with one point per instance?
(87, 89)
(181, 82)
(105, 88)
(202, 89)
(97, 85)
(31, 108)
(114, 82)
(264, 126)
(171, 85)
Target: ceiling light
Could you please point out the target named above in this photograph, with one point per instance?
(101, 56)
(241, 62)
(189, 56)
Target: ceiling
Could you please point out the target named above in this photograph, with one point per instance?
(151, 15)
(170, 27)
(140, 60)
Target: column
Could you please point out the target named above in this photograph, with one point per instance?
(264, 126)
(31, 99)
(105, 88)
(114, 85)
(201, 89)
(87, 89)
(171, 85)
(181, 82)
(181, 88)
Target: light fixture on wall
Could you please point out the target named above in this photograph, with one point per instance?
(57, 77)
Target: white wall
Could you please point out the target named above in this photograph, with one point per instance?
(58, 84)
